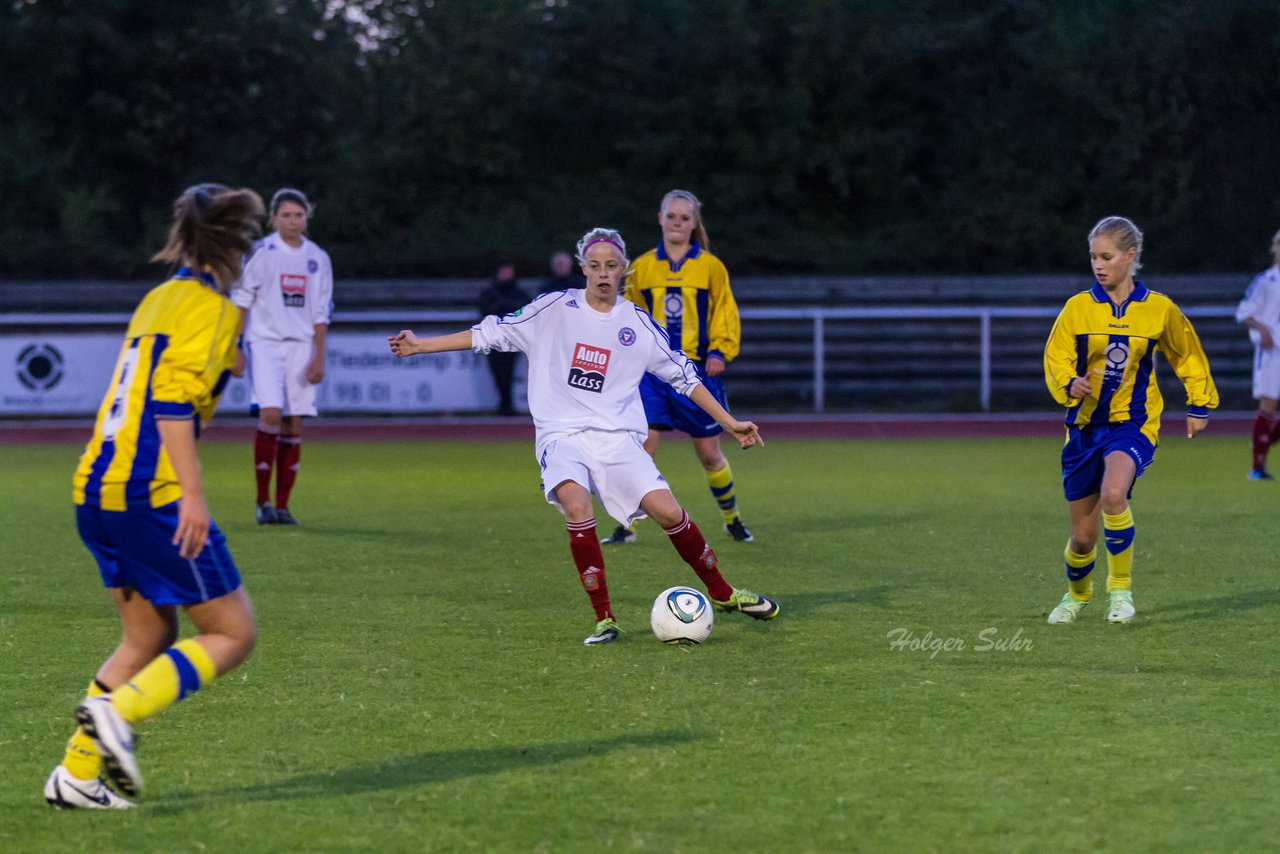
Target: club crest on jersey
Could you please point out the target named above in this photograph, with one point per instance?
(590, 364)
(294, 290)
(673, 304)
(626, 336)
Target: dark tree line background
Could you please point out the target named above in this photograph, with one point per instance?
(865, 137)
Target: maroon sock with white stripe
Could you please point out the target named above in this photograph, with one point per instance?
(584, 545)
(264, 459)
(287, 468)
(1264, 428)
(695, 551)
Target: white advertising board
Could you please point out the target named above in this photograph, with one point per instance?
(67, 374)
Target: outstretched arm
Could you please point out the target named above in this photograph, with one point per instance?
(745, 432)
(408, 344)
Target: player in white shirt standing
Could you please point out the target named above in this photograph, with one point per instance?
(1260, 311)
(588, 350)
(287, 294)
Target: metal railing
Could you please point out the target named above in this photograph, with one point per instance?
(817, 317)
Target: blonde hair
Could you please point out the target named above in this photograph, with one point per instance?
(699, 230)
(1125, 234)
(213, 229)
(601, 235)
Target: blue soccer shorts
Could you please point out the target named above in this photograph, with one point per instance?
(134, 548)
(1085, 453)
(667, 409)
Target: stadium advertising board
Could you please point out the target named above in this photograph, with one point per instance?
(67, 374)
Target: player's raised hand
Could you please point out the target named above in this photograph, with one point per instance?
(404, 344)
(747, 434)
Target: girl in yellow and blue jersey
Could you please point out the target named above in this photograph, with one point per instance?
(1099, 362)
(140, 505)
(686, 289)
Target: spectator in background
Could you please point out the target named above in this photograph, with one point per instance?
(501, 298)
(1260, 311)
(564, 275)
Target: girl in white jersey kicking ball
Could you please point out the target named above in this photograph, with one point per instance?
(588, 350)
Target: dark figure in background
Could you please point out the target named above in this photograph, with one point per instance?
(500, 298)
(564, 275)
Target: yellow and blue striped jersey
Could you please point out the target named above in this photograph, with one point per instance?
(690, 300)
(177, 356)
(1115, 346)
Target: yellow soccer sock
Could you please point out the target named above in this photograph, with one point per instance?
(721, 483)
(1080, 573)
(180, 670)
(1119, 530)
(82, 758)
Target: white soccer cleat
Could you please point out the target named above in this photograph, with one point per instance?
(67, 792)
(1120, 606)
(1067, 611)
(114, 739)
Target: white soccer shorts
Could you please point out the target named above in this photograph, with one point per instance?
(277, 373)
(1266, 373)
(613, 466)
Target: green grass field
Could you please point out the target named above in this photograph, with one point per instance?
(421, 685)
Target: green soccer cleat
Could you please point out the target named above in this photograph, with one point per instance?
(1120, 606)
(606, 631)
(1067, 611)
(751, 604)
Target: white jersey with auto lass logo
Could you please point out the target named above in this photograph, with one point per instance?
(287, 290)
(585, 366)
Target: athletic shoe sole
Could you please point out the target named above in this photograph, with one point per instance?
(114, 740)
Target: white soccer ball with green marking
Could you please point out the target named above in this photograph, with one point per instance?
(681, 615)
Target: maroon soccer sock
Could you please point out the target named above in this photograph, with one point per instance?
(584, 545)
(1264, 433)
(290, 451)
(695, 551)
(264, 457)
(1275, 429)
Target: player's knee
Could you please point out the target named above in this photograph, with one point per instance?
(1114, 500)
(237, 643)
(1082, 545)
(709, 454)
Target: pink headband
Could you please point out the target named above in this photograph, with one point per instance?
(612, 243)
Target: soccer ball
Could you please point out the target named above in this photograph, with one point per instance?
(681, 615)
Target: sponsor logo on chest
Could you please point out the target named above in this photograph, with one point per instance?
(294, 290)
(589, 367)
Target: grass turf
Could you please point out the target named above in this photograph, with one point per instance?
(420, 682)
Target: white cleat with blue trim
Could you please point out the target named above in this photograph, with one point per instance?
(114, 738)
(68, 793)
